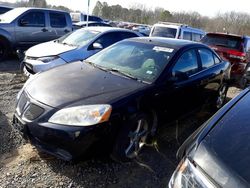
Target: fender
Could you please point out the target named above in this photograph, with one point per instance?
(6, 35)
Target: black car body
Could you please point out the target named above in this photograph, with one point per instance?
(128, 101)
(218, 152)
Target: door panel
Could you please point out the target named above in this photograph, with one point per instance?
(31, 29)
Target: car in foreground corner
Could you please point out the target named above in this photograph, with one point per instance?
(118, 95)
(217, 154)
(75, 46)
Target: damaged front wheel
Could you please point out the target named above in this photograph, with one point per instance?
(131, 138)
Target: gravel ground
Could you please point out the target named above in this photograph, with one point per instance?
(21, 165)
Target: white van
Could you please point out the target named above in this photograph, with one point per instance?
(176, 30)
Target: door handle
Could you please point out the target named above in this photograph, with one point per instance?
(44, 30)
(66, 30)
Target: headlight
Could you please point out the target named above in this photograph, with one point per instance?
(47, 59)
(82, 115)
(188, 176)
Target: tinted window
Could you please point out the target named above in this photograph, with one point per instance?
(57, 20)
(207, 58)
(164, 32)
(227, 41)
(196, 36)
(125, 35)
(109, 39)
(187, 63)
(32, 19)
(94, 18)
(187, 35)
(247, 45)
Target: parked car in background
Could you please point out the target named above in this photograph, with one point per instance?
(80, 17)
(145, 30)
(116, 97)
(232, 48)
(79, 25)
(4, 9)
(21, 28)
(217, 154)
(78, 45)
(177, 31)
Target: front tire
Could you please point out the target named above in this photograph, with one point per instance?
(131, 138)
(4, 49)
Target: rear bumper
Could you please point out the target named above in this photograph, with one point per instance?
(64, 142)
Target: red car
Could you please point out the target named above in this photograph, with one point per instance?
(232, 48)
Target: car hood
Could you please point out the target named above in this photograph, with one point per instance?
(48, 49)
(224, 153)
(79, 83)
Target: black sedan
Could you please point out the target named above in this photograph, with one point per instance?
(118, 96)
(217, 154)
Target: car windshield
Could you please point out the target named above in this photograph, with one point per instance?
(222, 40)
(9, 16)
(79, 38)
(136, 60)
(164, 32)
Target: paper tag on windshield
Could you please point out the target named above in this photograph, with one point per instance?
(163, 49)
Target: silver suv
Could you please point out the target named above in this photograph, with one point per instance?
(22, 28)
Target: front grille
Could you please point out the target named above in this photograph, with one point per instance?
(29, 68)
(21, 103)
(32, 112)
(28, 110)
(31, 58)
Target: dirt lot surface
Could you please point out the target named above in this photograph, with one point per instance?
(21, 165)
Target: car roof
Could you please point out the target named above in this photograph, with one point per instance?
(166, 42)
(34, 8)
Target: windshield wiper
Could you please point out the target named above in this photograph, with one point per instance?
(125, 74)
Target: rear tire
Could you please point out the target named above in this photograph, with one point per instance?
(131, 138)
(4, 49)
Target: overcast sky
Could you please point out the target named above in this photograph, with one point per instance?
(207, 8)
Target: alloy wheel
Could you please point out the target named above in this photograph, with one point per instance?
(137, 138)
(222, 96)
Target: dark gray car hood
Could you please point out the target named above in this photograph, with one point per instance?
(74, 82)
(224, 154)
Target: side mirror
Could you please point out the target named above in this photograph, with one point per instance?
(97, 46)
(23, 22)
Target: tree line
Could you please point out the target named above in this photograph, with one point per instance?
(231, 22)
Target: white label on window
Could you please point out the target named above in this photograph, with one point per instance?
(163, 49)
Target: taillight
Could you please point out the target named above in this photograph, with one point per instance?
(236, 54)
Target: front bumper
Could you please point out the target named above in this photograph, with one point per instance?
(65, 142)
(33, 66)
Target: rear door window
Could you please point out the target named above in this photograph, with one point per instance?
(57, 20)
(32, 19)
(187, 35)
(207, 58)
(187, 63)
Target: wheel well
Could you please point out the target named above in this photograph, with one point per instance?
(6, 41)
